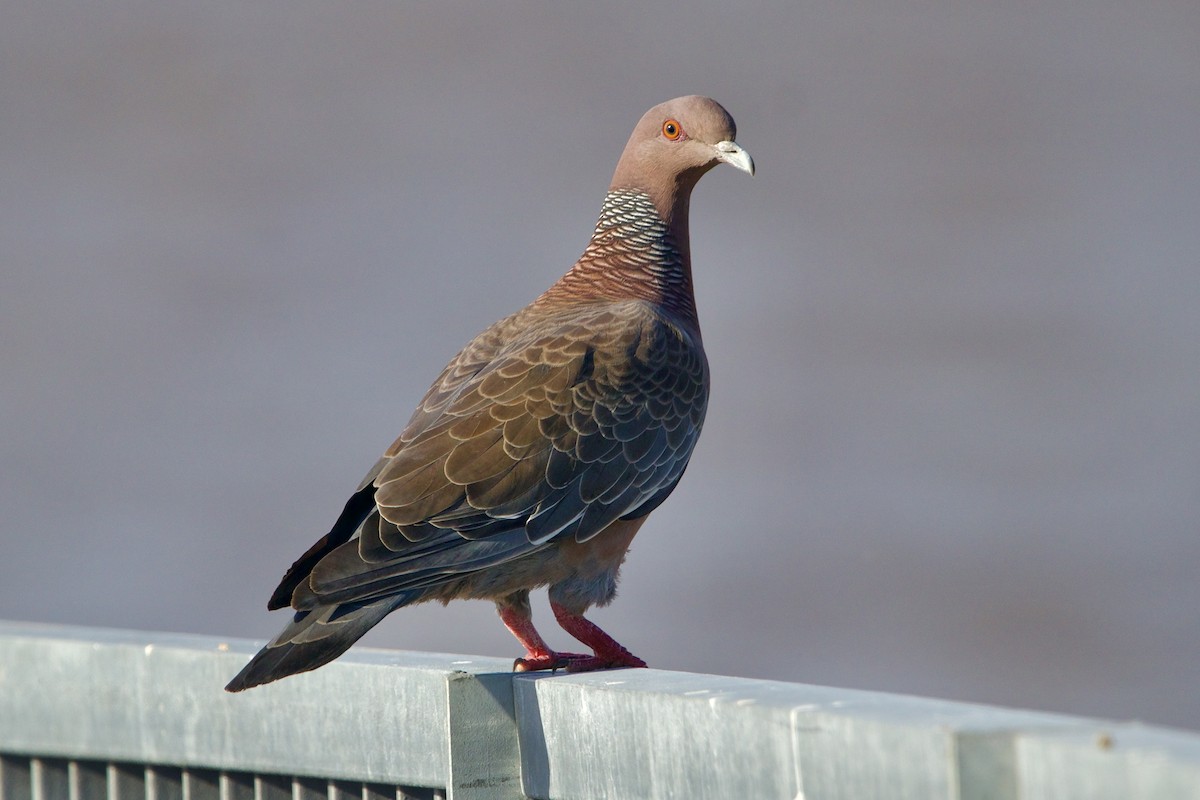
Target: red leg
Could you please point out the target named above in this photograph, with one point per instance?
(608, 653)
(538, 655)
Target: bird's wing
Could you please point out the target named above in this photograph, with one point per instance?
(538, 430)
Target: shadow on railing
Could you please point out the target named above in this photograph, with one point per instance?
(95, 713)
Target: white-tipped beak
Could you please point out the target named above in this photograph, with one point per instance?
(732, 153)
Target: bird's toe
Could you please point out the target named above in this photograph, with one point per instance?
(538, 662)
(605, 661)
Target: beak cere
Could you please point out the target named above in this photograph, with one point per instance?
(732, 153)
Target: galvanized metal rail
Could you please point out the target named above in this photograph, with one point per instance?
(92, 713)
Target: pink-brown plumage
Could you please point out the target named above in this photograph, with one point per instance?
(537, 454)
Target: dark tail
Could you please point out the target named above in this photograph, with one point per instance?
(313, 638)
(360, 504)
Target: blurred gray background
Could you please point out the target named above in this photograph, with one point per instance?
(953, 447)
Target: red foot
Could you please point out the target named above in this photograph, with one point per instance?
(606, 661)
(609, 654)
(551, 660)
(538, 655)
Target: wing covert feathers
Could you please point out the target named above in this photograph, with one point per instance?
(548, 424)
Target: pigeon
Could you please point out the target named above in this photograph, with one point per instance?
(537, 454)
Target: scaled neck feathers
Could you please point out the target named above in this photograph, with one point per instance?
(634, 254)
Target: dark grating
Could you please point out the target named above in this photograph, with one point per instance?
(36, 778)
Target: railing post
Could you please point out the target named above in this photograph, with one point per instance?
(485, 760)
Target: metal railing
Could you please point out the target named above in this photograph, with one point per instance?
(92, 713)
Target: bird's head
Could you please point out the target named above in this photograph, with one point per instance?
(675, 143)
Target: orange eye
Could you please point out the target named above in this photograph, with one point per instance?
(672, 130)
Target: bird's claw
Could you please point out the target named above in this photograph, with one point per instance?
(576, 662)
(606, 661)
(553, 661)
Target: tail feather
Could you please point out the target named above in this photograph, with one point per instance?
(358, 507)
(312, 639)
